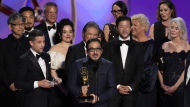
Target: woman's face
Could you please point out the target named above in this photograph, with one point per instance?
(116, 11)
(67, 34)
(174, 30)
(137, 28)
(165, 12)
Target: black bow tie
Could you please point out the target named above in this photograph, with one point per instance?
(122, 42)
(51, 27)
(39, 55)
(26, 33)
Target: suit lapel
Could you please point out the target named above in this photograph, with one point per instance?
(47, 67)
(129, 54)
(81, 51)
(36, 64)
(118, 53)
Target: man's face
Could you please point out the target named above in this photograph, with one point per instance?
(17, 27)
(90, 33)
(124, 29)
(94, 51)
(38, 44)
(29, 24)
(51, 14)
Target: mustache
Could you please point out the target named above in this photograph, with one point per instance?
(28, 23)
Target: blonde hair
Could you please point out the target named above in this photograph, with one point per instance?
(143, 20)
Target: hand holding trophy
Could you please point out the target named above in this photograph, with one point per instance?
(84, 98)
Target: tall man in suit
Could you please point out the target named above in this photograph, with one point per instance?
(127, 57)
(34, 76)
(29, 15)
(187, 83)
(49, 27)
(101, 83)
(11, 49)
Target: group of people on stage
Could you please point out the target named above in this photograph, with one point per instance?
(117, 66)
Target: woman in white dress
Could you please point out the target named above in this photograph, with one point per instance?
(58, 53)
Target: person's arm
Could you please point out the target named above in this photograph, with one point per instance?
(151, 32)
(106, 32)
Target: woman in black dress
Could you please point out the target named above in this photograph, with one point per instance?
(147, 87)
(159, 30)
(119, 8)
(172, 58)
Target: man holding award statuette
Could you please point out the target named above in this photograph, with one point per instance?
(92, 79)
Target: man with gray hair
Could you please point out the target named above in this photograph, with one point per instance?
(11, 49)
(49, 27)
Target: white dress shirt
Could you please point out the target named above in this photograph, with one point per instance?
(188, 75)
(42, 65)
(51, 33)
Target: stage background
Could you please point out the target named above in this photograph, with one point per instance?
(82, 11)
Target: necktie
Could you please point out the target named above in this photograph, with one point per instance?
(39, 55)
(51, 27)
(122, 42)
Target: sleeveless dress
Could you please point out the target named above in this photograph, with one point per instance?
(173, 66)
(148, 84)
(159, 33)
(113, 31)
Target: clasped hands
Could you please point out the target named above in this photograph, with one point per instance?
(84, 93)
(169, 89)
(123, 89)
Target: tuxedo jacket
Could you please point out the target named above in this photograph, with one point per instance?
(134, 64)
(29, 71)
(104, 83)
(42, 27)
(74, 53)
(187, 86)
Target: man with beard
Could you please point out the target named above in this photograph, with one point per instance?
(28, 13)
(101, 82)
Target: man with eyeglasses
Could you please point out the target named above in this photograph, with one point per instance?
(49, 26)
(78, 51)
(11, 49)
(101, 83)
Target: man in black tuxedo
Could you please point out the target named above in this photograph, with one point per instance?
(34, 76)
(127, 57)
(78, 51)
(49, 27)
(29, 15)
(101, 83)
(187, 83)
(11, 49)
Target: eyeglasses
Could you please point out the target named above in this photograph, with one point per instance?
(116, 11)
(95, 49)
(17, 25)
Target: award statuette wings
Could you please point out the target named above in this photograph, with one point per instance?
(85, 98)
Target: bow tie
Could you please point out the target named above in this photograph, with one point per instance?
(122, 42)
(26, 33)
(51, 27)
(39, 55)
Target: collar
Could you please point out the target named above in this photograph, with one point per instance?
(128, 38)
(34, 53)
(30, 30)
(51, 25)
